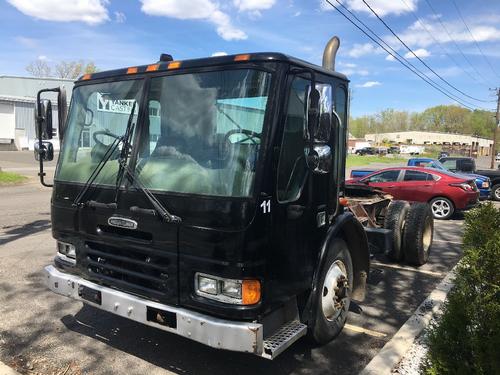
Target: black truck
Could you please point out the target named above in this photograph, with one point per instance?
(206, 198)
(468, 165)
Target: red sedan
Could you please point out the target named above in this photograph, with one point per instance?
(446, 192)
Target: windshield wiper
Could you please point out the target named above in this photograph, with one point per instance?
(125, 139)
(158, 207)
(107, 155)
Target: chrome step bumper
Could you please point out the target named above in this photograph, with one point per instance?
(216, 333)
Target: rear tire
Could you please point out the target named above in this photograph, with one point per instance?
(395, 218)
(333, 295)
(495, 192)
(418, 233)
(442, 208)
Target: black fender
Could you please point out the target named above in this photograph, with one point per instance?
(348, 228)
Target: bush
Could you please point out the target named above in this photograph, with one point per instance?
(466, 340)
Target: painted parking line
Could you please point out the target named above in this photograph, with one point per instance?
(368, 332)
(406, 268)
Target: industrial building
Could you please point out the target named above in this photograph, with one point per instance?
(466, 144)
(17, 106)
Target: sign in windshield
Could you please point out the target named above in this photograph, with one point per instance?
(105, 104)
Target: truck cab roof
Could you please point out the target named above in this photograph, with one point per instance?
(212, 61)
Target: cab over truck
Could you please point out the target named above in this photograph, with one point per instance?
(201, 197)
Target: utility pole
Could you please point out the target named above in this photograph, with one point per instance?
(495, 130)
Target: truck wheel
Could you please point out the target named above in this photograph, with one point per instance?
(395, 221)
(333, 294)
(417, 234)
(442, 208)
(495, 192)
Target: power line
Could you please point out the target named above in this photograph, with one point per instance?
(419, 59)
(396, 55)
(438, 17)
(474, 39)
(419, 20)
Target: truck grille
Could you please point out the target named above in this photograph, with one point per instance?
(141, 270)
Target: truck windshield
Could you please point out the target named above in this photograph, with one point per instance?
(201, 132)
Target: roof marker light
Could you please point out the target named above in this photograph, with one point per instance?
(86, 76)
(174, 65)
(245, 57)
(152, 68)
(132, 70)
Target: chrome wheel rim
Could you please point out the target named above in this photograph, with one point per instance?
(440, 208)
(334, 291)
(497, 193)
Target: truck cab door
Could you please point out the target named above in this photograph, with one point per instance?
(294, 216)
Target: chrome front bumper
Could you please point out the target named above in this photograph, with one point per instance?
(217, 333)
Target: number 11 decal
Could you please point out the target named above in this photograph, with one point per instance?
(266, 206)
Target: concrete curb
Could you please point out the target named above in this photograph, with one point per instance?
(395, 349)
(6, 370)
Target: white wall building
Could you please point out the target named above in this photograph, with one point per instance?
(17, 105)
(481, 145)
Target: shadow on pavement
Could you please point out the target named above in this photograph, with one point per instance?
(14, 233)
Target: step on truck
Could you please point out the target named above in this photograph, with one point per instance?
(201, 197)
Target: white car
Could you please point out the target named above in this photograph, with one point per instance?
(497, 158)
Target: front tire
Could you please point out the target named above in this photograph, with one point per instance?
(495, 192)
(333, 293)
(442, 208)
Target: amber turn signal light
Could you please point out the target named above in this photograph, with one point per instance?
(250, 292)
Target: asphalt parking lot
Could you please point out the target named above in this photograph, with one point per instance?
(41, 332)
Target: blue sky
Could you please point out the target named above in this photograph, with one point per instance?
(129, 32)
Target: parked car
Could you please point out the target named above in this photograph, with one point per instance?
(497, 158)
(446, 192)
(366, 151)
(483, 183)
(443, 154)
(468, 165)
(394, 150)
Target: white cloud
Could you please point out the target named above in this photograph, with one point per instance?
(390, 58)
(42, 57)
(417, 36)
(369, 84)
(88, 11)
(252, 5)
(363, 49)
(220, 53)
(194, 10)
(297, 13)
(382, 7)
(421, 52)
(120, 17)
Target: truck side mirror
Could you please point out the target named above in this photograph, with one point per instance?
(43, 117)
(312, 114)
(45, 153)
(319, 126)
(319, 159)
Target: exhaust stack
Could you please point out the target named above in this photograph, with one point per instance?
(330, 53)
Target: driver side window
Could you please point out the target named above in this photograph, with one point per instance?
(292, 168)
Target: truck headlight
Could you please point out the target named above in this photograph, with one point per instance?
(66, 251)
(238, 292)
